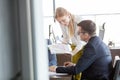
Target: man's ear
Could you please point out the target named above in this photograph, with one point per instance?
(86, 35)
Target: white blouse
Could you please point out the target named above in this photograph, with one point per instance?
(76, 38)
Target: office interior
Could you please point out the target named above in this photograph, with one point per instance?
(24, 24)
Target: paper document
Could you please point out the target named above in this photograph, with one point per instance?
(60, 48)
(54, 73)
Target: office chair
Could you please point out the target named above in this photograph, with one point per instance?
(116, 71)
(51, 34)
(102, 31)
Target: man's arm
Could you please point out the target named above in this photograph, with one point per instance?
(83, 63)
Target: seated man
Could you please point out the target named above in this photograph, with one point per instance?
(51, 57)
(95, 62)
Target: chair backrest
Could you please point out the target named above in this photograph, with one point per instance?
(115, 59)
(102, 31)
(116, 75)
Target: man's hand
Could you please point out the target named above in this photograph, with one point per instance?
(68, 64)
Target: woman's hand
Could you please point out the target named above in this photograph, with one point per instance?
(52, 68)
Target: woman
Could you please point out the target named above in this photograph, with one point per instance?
(68, 23)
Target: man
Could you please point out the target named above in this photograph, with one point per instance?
(96, 61)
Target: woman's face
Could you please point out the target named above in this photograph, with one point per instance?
(64, 20)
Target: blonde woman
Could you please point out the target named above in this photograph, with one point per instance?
(68, 23)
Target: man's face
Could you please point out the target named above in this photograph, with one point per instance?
(82, 34)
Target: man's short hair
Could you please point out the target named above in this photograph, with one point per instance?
(88, 26)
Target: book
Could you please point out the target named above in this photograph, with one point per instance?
(60, 48)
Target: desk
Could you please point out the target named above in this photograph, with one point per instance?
(59, 76)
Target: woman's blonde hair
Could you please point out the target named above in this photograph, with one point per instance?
(60, 12)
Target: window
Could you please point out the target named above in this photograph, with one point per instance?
(99, 11)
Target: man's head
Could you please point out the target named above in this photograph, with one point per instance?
(86, 29)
